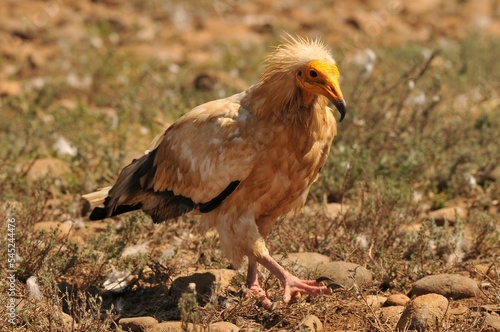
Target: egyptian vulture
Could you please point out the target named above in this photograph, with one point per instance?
(242, 161)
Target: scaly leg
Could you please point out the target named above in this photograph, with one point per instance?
(294, 286)
(254, 286)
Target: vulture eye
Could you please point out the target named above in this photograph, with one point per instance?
(313, 73)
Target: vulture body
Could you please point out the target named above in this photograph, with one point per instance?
(242, 161)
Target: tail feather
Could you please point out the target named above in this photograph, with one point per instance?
(100, 213)
(97, 197)
(128, 194)
(133, 191)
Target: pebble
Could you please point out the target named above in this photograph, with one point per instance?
(223, 327)
(495, 173)
(301, 261)
(343, 273)
(491, 323)
(8, 88)
(346, 274)
(118, 281)
(460, 309)
(336, 210)
(173, 327)
(390, 315)
(64, 148)
(47, 166)
(311, 323)
(449, 285)
(137, 324)
(448, 214)
(424, 313)
(177, 327)
(376, 301)
(205, 281)
(396, 300)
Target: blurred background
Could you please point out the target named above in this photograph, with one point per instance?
(411, 188)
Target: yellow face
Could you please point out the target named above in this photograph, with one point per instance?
(320, 77)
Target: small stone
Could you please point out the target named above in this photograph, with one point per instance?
(346, 274)
(450, 285)
(311, 323)
(118, 281)
(8, 88)
(458, 310)
(47, 166)
(495, 173)
(204, 282)
(137, 324)
(343, 273)
(491, 323)
(37, 59)
(336, 210)
(64, 148)
(423, 313)
(390, 315)
(376, 301)
(176, 326)
(396, 300)
(173, 327)
(300, 260)
(448, 214)
(223, 327)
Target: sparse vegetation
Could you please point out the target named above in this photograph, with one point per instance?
(420, 134)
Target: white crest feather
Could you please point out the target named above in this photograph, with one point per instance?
(294, 52)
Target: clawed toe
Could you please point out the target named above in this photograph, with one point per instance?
(329, 283)
(260, 295)
(295, 288)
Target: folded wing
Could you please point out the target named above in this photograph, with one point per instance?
(199, 162)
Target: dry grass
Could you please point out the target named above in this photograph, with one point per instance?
(420, 134)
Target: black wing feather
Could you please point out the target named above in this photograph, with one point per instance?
(160, 205)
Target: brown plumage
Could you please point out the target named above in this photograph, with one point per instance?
(242, 161)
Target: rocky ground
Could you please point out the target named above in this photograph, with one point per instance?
(85, 85)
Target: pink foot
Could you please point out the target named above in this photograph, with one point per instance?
(254, 286)
(295, 287)
(261, 296)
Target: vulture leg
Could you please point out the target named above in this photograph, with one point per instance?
(254, 286)
(294, 287)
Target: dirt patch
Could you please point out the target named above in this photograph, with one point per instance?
(107, 76)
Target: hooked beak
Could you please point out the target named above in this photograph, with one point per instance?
(341, 107)
(334, 94)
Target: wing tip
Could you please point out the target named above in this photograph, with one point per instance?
(98, 213)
